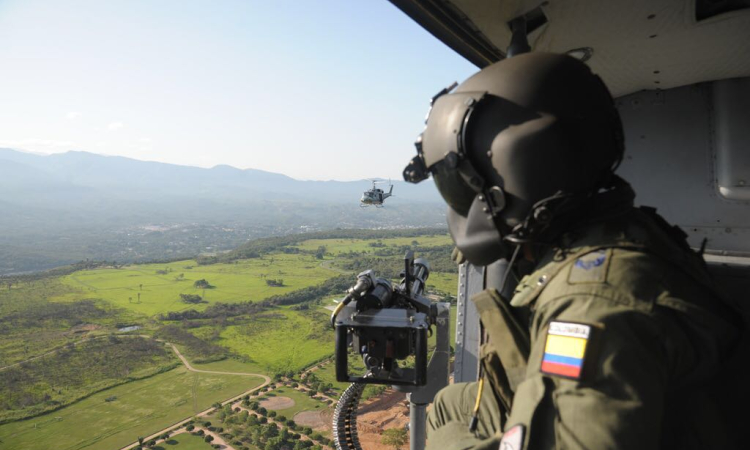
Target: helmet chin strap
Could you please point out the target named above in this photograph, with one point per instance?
(552, 215)
(477, 235)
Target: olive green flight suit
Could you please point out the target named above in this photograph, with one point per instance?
(658, 334)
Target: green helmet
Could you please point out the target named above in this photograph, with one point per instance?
(514, 144)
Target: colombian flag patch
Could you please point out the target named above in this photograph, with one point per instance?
(565, 349)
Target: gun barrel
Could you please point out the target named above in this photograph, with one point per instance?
(421, 273)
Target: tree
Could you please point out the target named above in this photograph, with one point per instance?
(140, 440)
(395, 437)
(191, 298)
(202, 284)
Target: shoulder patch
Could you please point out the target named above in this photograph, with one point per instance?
(513, 438)
(565, 349)
(591, 267)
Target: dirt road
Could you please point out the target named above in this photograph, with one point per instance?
(266, 381)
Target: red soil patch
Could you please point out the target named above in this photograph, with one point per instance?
(390, 410)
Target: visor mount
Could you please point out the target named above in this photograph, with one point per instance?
(497, 198)
(451, 160)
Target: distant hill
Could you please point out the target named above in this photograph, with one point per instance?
(127, 177)
(62, 208)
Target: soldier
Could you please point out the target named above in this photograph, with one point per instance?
(615, 328)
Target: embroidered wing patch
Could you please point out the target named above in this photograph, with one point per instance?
(512, 439)
(565, 349)
(590, 268)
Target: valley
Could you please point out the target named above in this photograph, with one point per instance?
(93, 354)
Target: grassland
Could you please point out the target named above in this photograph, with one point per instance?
(73, 372)
(39, 316)
(441, 282)
(141, 408)
(33, 323)
(284, 340)
(160, 285)
(184, 441)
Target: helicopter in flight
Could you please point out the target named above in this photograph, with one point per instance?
(375, 196)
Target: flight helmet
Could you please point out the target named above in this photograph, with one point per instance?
(514, 146)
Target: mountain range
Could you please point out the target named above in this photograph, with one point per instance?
(62, 208)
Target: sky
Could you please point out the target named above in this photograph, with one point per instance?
(314, 89)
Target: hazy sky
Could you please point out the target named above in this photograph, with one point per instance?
(310, 88)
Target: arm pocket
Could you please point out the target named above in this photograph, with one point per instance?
(528, 407)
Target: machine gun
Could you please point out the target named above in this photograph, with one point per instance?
(384, 326)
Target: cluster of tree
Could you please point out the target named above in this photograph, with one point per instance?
(244, 429)
(274, 282)
(263, 246)
(202, 284)
(316, 385)
(333, 286)
(74, 371)
(51, 315)
(217, 310)
(197, 348)
(192, 299)
(394, 437)
(389, 263)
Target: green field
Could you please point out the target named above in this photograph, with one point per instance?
(41, 315)
(184, 441)
(141, 408)
(32, 323)
(73, 372)
(446, 283)
(242, 281)
(284, 340)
